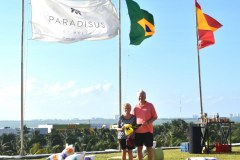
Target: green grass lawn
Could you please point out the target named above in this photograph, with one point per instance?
(176, 154)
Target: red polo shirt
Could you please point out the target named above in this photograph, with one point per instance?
(144, 113)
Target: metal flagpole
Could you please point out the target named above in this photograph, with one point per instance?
(199, 71)
(120, 62)
(22, 39)
(120, 50)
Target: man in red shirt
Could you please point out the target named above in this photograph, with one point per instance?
(145, 115)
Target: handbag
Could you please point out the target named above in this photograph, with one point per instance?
(130, 142)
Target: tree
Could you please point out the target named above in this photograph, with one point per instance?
(36, 137)
(71, 136)
(9, 143)
(180, 131)
(3, 147)
(235, 133)
(171, 134)
(55, 141)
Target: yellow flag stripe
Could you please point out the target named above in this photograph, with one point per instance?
(202, 22)
(143, 22)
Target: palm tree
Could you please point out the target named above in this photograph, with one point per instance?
(55, 141)
(3, 147)
(9, 141)
(36, 137)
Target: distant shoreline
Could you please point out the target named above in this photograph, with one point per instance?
(36, 122)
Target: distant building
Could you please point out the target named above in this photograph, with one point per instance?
(42, 131)
(195, 116)
(114, 126)
(98, 126)
(235, 115)
(45, 129)
(8, 130)
(116, 117)
(48, 127)
(63, 127)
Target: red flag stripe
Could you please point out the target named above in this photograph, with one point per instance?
(206, 26)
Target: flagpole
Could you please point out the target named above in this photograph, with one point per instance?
(199, 71)
(200, 85)
(22, 39)
(120, 58)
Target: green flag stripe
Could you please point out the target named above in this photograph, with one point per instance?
(137, 33)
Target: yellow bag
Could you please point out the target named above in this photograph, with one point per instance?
(128, 128)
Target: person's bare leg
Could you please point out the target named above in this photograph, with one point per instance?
(130, 155)
(150, 153)
(140, 155)
(124, 154)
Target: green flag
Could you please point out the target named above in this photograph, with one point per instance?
(142, 23)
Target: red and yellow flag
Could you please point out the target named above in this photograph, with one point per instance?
(206, 26)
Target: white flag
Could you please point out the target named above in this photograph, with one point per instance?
(69, 21)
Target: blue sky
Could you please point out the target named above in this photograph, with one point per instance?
(80, 80)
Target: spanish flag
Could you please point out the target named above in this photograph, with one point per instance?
(206, 26)
(142, 23)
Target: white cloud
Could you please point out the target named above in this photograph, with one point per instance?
(10, 91)
(107, 87)
(69, 88)
(40, 98)
(75, 92)
(96, 88)
(91, 89)
(30, 84)
(58, 88)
